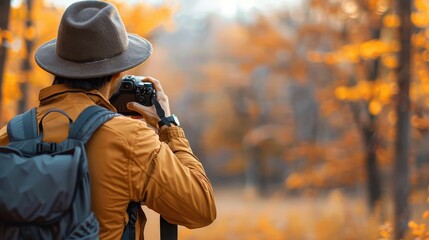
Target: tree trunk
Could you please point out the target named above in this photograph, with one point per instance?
(369, 132)
(373, 175)
(4, 25)
(401, 176)
(369, 138)
(26, 62)
(368, 126)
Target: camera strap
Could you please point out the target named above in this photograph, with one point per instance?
(160, 111)
(168, 231)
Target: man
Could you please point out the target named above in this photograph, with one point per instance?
(129, 159)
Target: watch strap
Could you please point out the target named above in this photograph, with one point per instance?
(168, 121)
(159, 110)
(161, 114)
(164, 121)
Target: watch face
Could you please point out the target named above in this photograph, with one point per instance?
(176, 120)
(169, 120)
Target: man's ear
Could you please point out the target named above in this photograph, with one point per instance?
(115, 83)
(117, 77)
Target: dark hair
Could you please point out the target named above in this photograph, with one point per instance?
(84, 84)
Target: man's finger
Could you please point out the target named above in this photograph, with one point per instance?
(155, 82)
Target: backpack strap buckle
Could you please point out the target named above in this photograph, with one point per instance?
(46, 147)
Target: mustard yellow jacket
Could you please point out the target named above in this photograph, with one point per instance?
(129, 161)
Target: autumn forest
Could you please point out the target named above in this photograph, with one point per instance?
(311, 119)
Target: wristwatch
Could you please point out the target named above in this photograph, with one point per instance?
(168, 121)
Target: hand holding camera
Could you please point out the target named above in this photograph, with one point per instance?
(137, 96)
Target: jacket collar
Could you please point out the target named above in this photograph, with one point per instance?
(61, 90)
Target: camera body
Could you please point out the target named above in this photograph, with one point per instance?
(132, 89)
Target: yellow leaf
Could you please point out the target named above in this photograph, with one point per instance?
(364, 88)
(341, 93)
(419, 40)
(391, 21)
(375, 107)
(374, 48)
(421, 5)
(426, 214)
(390, 61)
(350, 52)
(386, 91)
(30, 33)
(420, 19)
(413, 225)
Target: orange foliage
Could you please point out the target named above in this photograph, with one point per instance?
(391, 21)
(420, 231)
(376, 96)
(142, 18)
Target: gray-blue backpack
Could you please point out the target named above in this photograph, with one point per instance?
(44, 186)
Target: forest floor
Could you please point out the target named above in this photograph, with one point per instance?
(334, 215)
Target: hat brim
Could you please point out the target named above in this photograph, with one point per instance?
(138, 51)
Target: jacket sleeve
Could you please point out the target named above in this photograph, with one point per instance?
(176, 185)
(4, 139)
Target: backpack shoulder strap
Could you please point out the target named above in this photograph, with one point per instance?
(23, 126)
(129, 232)
(89, 121)
(168, 230)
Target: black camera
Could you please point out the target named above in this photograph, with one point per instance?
(132, 89)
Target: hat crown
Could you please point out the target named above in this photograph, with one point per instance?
(92, 42)
(91, 31)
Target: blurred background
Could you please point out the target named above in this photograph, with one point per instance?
(291, 106)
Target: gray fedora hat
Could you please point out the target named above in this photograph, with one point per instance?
(92, 42)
